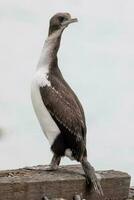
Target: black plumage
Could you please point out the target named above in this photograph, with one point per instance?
(64, 106)
(66, 110)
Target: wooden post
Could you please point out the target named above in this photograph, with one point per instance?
(24, 184)
(131, 193)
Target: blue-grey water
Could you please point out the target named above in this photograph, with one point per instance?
(97, 59)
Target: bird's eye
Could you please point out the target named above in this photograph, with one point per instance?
(61, 19)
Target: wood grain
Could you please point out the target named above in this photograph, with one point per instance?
(24, 184)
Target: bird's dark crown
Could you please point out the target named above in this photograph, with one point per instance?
(60, 20)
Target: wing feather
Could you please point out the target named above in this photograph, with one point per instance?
(64, 108)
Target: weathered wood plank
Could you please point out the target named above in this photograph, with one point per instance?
(23, 184)
(131, 193)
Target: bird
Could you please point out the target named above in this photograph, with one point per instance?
(58, 109)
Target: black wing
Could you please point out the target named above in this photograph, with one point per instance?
(63, 105)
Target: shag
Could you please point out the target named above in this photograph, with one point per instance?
(58, 109)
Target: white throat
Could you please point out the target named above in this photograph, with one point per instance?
(46, 58)
(41, 79)
(48, 50)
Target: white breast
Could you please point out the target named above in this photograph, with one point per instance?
(40, 79)
(47, 123)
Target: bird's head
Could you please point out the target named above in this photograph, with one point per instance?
(60, 21)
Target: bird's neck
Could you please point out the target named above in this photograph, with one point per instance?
(48, 58)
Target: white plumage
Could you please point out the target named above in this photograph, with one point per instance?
(47, 123)
(40, 79)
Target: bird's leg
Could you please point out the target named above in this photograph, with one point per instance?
(53, 165)
(55, 162)
(91, 176)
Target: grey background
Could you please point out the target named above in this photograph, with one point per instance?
(96, 58)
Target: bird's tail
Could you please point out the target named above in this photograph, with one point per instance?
(91, 176)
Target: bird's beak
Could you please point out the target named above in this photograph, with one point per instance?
(69, 21)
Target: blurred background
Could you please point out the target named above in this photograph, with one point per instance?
(96, 58)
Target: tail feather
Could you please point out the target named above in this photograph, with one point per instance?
(91, 177)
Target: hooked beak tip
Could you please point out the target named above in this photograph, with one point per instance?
(70, 21)
(73, 20)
